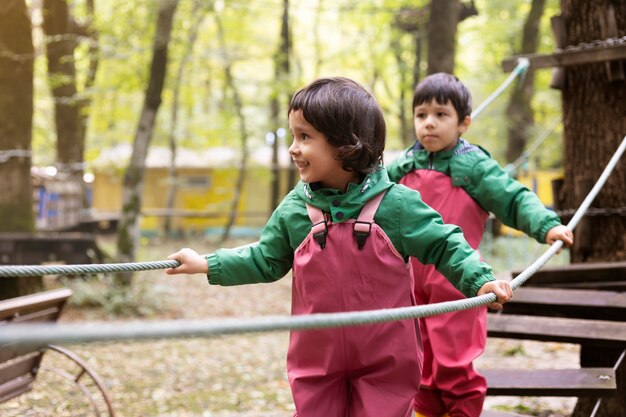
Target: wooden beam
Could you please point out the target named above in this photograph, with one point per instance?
(584, 382)
(577, 56)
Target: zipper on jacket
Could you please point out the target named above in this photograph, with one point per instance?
(431, 163)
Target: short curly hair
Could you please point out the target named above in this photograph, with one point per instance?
(348, 116)
(443, 87)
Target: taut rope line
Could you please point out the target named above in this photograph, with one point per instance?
(107, 331)
(522, 66)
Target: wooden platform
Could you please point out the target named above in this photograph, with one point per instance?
(583, 304)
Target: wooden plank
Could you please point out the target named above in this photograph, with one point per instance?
(577, 273)
(35, 248)
(573, 303)
(556, 329)
(566, 57)
(26, 364)
(498, 413)
(25, 305)
(592, 285)
(12, 351)
(584, 382)
(16, 387)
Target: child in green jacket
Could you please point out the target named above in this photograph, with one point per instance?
(463, 183)
(347, 233)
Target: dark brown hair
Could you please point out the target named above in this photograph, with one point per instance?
(442, 88)
(349, 117)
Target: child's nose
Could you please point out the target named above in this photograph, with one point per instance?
(293, 148)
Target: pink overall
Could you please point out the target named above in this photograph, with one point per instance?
(451, 341)
(359, 371)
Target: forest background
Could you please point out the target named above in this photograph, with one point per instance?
(201, 74)
(212, 41)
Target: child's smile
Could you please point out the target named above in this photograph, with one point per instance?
(316, 159)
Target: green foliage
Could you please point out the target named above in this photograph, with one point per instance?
(329, 38)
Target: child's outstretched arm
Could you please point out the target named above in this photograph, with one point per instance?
(190, 263)
(502, 290)
(560, 233)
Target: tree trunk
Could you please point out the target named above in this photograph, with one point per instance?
(594, 125)
(60, 45)
(445, 16)
(16, 118)
(519, 111)
(128, 228)
(90, 78)
(243, 135)
(404, 116)
(413, 21)
(173, 140)
(281, 82)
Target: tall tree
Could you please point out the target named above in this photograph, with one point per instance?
(61, 41)
(243, 130)
(445, 16)
(281, 86)
(197, 14)
(594, 125)
(128, 228)
(413, 21)
(16, 121)
(519, 110)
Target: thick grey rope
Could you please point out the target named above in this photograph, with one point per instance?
(106, 331)
(84, 269)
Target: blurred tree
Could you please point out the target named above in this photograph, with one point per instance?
(519, 110)
(281, 91)
(128, 229)
(71, 108)
(231, 86)
(414, 21)
(445, 16)
(198, 15)
(16, 114)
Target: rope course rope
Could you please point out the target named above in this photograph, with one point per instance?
(7, 154)
(102, 331)
(522, 66)
(514, 166)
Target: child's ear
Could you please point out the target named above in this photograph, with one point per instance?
(464, 124)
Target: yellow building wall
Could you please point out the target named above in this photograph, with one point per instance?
(539, 182)
(210, 191)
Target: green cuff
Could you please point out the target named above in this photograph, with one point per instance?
(477, 285)
(215, 269)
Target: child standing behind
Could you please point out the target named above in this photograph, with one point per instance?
(463, 183)
(347, 232)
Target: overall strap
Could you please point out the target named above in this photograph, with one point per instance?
(319, 228)
(363, 224)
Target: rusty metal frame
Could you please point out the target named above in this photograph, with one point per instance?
(85, 369)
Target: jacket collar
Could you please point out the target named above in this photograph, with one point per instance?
(350, 203)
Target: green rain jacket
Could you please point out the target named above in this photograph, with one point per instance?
(412, 226)
(472, 168)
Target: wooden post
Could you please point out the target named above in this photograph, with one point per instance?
(558, 30)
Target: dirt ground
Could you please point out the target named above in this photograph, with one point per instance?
(235, 375)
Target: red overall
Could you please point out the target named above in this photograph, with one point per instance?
(359, 371)
(451, 341)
